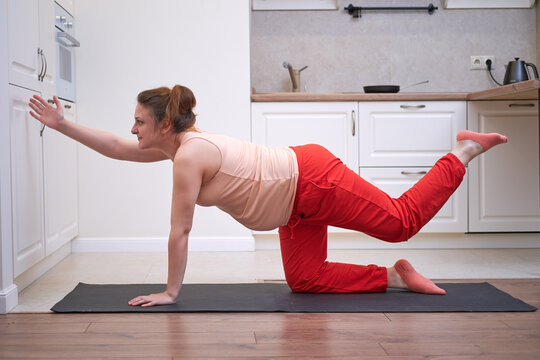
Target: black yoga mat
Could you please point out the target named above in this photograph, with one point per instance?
(264, 297)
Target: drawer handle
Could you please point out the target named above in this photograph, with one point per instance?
(414, 172)
(521, 105)
(409, 107)
(67, 106)
(353, 117)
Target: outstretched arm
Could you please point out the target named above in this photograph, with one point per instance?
(105, 143)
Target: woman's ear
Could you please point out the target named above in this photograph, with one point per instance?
(165, 126)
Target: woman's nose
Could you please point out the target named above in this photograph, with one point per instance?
(133, 130)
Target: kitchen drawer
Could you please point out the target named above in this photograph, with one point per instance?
(408, 133)
(395, 181)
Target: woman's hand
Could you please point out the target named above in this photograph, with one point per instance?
(163, 298)
(43, 111)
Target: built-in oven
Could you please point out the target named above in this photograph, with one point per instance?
(65, 54)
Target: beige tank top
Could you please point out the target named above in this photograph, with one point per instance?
(256, 185)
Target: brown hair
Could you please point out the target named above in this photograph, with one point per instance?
(174, 105)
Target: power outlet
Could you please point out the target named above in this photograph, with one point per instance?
(478, 62)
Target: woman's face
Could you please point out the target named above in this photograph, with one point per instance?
(144, 127)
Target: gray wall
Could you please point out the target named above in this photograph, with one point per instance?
(344, 54)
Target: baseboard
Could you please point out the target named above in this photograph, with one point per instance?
(35, 272)
(358, 241)
(81, 244)
(9, 298)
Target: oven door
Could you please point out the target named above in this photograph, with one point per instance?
(65, 65)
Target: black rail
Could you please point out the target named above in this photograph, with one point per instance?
(356, 11)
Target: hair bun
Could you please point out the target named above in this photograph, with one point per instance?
(176, 105)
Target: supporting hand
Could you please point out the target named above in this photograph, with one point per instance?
(163, 298)
(50, 116)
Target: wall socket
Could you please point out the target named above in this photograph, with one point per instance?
(478, 62)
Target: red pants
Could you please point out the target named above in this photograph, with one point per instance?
(328, 193)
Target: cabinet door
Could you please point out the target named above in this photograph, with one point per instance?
(23, 31)
(47, 43)
(60, 184)
(408, 133)
(504, 182)
(26, 182)
(452, 217)
(332, 125)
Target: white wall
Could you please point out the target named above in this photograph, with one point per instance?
(131, 45)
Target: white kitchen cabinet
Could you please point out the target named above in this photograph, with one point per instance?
(60, 185)
(503, 192)
(400, 141)
(330, 124)
(32, 57)
(43, 182)
(26, 182)
(408, 133)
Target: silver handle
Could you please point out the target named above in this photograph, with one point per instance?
(50, 101)
(353, 117)
(40, 54)
(60, 36)
(414, 172)
(521, 105)
(407, 107)
(44, 71)
(61, 19)
(67, 106)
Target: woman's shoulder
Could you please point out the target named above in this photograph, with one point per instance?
(198, 145)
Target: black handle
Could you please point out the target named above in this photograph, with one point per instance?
(534, 69)
(356, 11)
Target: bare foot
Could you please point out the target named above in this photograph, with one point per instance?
(408, 278)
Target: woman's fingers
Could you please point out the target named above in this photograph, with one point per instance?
(137, 301)
(36, 103)
(152, 300)
(39, 99)
(57, 102)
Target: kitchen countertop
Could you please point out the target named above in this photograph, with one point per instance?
(526, 90)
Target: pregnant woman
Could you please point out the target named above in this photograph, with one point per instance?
(300, 190)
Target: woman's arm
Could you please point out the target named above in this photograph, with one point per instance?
(103, 142)
(189, 169)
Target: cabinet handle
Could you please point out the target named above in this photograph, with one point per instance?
(353, 117)
(44, 71)
(42, 130)
(50, 101)
(40, 54)
(408, 107)
(67, 106)
(414, 172)
(521, 105)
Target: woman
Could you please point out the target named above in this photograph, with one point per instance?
(300, 189)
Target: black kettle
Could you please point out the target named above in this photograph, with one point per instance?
(517, 71)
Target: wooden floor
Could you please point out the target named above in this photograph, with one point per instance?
(278, 335)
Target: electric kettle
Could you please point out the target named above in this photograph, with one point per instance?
(517, 71)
